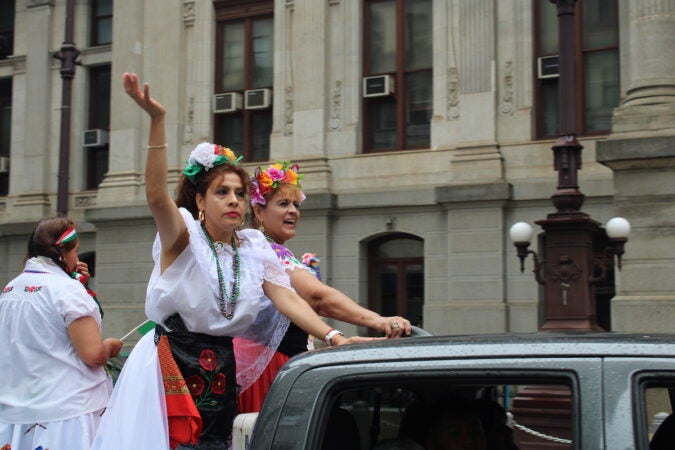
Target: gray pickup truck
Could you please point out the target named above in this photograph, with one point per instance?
(588, 391)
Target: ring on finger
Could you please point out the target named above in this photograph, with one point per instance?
(395, 325)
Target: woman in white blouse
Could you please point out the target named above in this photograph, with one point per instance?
(51, 352)
(208, 286)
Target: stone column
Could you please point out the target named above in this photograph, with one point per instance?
(641, 152)
(32, 191)
(124, 178)
(301, 84)
(476, 262)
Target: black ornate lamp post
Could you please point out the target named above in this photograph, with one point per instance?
(577, 250)
(578, 253)
(69, 55)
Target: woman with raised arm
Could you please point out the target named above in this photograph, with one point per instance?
(209, 284)
(276, 197)
(52, 355)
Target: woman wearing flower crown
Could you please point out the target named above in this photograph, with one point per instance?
(210, 283)
(276, 196)
(52, 355)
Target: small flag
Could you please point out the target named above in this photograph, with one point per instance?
(143, 328)
(146, 327)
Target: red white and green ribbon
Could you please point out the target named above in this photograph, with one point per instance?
(68, 236)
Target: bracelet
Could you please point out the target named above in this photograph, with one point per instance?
(152, 147)
(329, 336)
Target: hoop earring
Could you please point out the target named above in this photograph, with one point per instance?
(200, 216)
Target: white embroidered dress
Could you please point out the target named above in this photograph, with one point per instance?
(50, 398)
(190, 287)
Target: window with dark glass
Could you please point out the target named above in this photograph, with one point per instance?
(597, 66)
(396, 279)
(5, 132)
(656, 409)
(244, 77)
(96, 137)
(400, 410)
(101, 22)
(397, 65)
(7, 9)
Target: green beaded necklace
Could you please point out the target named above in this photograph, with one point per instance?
(226, 307)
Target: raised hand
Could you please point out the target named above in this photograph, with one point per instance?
(142, 97)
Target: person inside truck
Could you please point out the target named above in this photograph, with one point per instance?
(276, 198)
(454, 424)
(209, 284)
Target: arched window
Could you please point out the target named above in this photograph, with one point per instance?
(396, 276)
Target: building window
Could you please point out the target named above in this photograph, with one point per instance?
(7, 8)
(244, 77)
(597, 64)
(97, 150)
(101, 22)
(398, 48)
(5, 132)
(396, 277)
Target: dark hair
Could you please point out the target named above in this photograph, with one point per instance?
(186, 190)
(42, 241)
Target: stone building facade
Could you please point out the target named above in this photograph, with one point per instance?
(444, 205)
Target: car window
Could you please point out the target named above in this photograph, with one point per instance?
(427, 414)
(655, 410)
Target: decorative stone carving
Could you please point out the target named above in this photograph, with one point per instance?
(453, 94)
(34, 3)
(336, 107)
(288, 113)
(85, 200)
(507, 89)
(189, 13)
(19, 63)
(189, 120)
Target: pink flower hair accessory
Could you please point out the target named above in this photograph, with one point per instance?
(266, 180)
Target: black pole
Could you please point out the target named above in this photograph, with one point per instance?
(68, 55)
(567, 151)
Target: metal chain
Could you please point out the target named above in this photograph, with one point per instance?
(541, 435)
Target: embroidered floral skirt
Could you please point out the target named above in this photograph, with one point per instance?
(208, 366)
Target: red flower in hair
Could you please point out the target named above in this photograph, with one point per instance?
(218, 384)
(208, 360)
(195, 384)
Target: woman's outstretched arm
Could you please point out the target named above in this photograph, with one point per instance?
(300, 313)
(170, 226)
(329, 302)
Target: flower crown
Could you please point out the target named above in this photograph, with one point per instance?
(206, 156)
(264, 181)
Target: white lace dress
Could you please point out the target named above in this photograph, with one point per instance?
(136, 414)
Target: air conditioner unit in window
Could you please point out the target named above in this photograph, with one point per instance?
(4, 164)
(94, 138)
(226, 102)
(548, 67)
(378, 86)
(258, 99)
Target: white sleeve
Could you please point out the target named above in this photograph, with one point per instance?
(74, 302)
